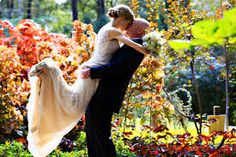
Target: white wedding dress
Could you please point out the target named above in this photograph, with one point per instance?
(54, 107)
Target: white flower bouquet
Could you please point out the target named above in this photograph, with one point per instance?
(153, 41)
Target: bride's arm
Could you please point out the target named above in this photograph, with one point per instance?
(118, 35)
(125, 59)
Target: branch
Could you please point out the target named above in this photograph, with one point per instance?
(221, 143)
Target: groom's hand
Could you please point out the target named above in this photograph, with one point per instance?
(85, 73)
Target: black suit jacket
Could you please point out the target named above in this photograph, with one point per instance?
(115, 77)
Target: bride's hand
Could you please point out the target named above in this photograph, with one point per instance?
(82, 67)
(84, 73)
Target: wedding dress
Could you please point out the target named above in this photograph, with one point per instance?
(55, 107)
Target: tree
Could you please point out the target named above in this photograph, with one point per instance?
(29, 4)
(100, 8)
(10, 6)
(74, 9)
(210, 33)
(101, 18)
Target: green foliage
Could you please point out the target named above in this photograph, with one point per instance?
(207, 33)
(100, 22)
(219, 33)
(81, 141)
(13, 149)
(68, 154)
(122, 149)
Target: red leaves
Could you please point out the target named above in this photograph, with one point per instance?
(203, 146)
(204, 138)
(21, 140)
(231, 134)
(158, 88)
(25, 45)
(6, 24)
(212, 67)
(127, 133)
(30, 39)
(160, 128)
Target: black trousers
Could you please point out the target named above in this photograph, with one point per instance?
(98, 131)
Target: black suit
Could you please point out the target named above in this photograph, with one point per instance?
(108, 98)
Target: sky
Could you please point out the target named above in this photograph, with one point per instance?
(59, 1)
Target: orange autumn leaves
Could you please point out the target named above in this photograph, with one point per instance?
(25, 45)
(34, 43)
(149, 81)
(13, 89)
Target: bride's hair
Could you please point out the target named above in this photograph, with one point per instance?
(121, 10)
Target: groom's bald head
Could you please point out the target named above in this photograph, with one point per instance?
(138, 28)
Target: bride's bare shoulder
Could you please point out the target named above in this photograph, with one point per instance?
(114, 32)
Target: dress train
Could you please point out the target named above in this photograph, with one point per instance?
(54, 107)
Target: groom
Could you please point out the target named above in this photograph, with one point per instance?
(108, 98)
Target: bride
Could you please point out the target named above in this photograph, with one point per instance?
(55, 107)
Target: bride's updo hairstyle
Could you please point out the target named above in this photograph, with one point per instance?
(121, 10)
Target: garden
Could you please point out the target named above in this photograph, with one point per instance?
(172, 95)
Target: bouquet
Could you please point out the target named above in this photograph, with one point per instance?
(153, 41)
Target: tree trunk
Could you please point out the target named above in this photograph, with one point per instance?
(1, 7)
(226, 89)
(100, 8)
(74, 9)
(37, 10)
(195, 84)
(29, 4)
(10, 5)
(20, 7)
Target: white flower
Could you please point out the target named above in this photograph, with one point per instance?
(153, 41)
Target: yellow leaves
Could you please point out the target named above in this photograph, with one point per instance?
(153, 24)
(137, 105)
(89, 27)
(148, 5)
(3, 48)
(185, 24)
(15, 101)
(222, 74)
(131, 134)
(32, 44)
(7, 143)
(134, 5)
(147, 95)
(158, 74)
(80, 50)
(129, 115)
(6, 116)
(188, 59)
(189, 82)
(142, 70)
(185, 18)
(142, 120)
(167, 34)
(74, 63)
